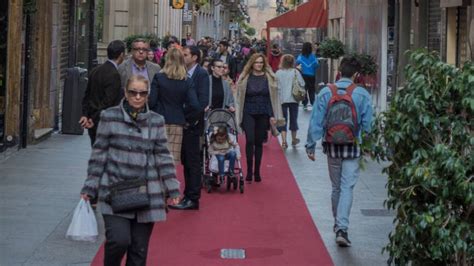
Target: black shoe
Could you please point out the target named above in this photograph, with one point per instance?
(248, 178)
(342, 239)
(258, 178)
(185, 204)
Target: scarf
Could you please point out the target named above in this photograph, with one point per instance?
(131, 111)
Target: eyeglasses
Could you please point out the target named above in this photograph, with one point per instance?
(134, 93)
(219, 66)
(141, 49)
(258, 62)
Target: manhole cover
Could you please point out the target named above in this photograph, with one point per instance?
(377, 212)
(233, 253)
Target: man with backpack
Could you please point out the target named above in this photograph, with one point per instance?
(342, 113)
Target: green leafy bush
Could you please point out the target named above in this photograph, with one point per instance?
(427, 135)
(332, 48)
(368, 65)
(150, 37)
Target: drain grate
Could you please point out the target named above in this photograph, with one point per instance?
(377, 212)
(233, 253)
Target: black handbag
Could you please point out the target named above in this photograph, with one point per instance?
(129, 195)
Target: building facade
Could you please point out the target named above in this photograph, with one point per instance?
(387, 29)
(40, 40)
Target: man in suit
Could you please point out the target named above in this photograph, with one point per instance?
(190, 151)
(104, 88)
(137, 64)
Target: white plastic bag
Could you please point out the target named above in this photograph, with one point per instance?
(83, 226)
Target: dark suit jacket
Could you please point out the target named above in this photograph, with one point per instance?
(168, 97)
(103, 91)
(200, 79)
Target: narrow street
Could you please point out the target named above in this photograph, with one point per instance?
(40, 185)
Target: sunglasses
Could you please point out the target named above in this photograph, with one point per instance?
(134, 93)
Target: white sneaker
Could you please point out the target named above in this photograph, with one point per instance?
(310, 108)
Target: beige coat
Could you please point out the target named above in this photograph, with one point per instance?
(274, 98)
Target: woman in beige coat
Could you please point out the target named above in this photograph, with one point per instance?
(258, 107)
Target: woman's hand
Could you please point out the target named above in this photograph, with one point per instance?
(231, 109)
(273, 121)
(207, 108)
(174, 201)
(85, 197)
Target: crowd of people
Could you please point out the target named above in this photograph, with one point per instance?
(145, 114)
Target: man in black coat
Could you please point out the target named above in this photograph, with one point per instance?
(191, 150)
(104, 88)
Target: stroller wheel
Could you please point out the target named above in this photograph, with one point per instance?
(229, 182)
(235, 182)
(241, 186)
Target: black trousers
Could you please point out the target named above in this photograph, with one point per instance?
(255, 128)
(293, 109)
(191, 159)
(126, 236)
(92, 133)
(309, 85)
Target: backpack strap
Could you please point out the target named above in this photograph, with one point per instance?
(350, 89)
(333, 88)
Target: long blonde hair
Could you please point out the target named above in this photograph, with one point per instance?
(249, 66)
(174, 65)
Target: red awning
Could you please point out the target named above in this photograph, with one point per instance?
(312, 14)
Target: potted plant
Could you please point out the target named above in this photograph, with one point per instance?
(332, 49)
(427, 136)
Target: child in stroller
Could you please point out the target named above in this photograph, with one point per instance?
(223, 148)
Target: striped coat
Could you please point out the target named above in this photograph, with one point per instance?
(120, 152)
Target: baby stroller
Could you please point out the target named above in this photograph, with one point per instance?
(213, 119)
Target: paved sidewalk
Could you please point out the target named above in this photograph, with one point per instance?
(39, 189)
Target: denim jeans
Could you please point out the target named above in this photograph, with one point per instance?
(231, 155)
(344, 174)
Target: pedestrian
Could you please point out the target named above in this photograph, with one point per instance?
(275, 57)
(307, 62)
(131, 143)
(258, 106)
(340, 126)
(224, 148)
(226, 77)
(150, 56)
(286, 75)
(138, 63)
(103, 88)
(193, 130)
(205, 63)
(224, 55)
(189, 40)
(170, 91)
(220, 93)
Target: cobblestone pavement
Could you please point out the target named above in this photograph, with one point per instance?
(39, 189)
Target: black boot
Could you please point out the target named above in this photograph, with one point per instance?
(249, 171)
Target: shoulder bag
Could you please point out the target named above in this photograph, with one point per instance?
(297, 91)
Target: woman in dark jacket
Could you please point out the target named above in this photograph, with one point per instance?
(131, 143)
(171, 90)
(220, 94)
(258, 105)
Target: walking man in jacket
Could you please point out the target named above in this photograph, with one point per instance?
(191, 150)
(137, 64)
(343, 159)
(103, 89)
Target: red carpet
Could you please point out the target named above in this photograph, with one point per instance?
(270, 221)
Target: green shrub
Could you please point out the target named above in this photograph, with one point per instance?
(331, 48)
(150, 37)
(427, 135)
(368, 66)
